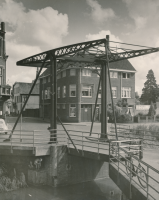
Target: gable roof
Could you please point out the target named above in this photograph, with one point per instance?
(123, 65)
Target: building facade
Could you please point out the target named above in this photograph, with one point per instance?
(20, 92)
(5, 90)
(77, 90)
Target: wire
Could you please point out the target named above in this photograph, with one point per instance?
(133, 44)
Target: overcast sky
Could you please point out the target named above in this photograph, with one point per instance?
(33, 26)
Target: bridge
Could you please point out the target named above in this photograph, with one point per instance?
(118, 159)
(70, 156)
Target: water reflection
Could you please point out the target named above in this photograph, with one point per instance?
(103, 189)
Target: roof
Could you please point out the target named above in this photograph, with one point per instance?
(123, 65)
(25, 88)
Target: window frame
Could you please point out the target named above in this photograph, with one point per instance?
(72, 85)
(86, 72)
(58, 92)
(126, 89)
(113, 73)
(114, 89)
(64, 90)
(89, 91)
(73, 74)
(70, 110)
(126, 75)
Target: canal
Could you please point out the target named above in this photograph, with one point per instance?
(103, 189)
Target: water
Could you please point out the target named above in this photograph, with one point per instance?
(103, 189)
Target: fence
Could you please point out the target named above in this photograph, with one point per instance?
(33, 138)
(150, 137)
(124, 155)
(83, 141)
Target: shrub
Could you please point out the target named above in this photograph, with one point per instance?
(152, 111)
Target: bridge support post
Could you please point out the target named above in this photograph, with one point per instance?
(104, 95)
(53, 89)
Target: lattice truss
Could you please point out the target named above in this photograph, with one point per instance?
(87, 55)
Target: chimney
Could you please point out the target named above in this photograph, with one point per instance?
(3, 26)
(3, 30)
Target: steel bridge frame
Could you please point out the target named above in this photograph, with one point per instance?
(93, 55)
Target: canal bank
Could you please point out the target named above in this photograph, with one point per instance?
(102, 189)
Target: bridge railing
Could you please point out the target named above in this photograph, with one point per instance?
(83, 141)
(126, 157)
(149, 137)
(32, 138)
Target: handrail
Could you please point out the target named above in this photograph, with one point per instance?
(145, 179)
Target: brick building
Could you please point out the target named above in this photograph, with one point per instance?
(5, 90)
(77, 88)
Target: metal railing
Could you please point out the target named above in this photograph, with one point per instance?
(84, 142)
(135, 133)
(27, 138)
(126, 157)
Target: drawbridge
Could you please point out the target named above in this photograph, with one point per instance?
(95, 55)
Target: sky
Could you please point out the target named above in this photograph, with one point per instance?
(34, 26)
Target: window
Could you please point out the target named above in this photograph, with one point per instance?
(99, 93)
(72, 72)
(0, 71)
(126, 92)
(64, 73)
(114, 92)
(0, 80)
(113, 74)
(86, 91)
(126, 75)
(58, 92)
(58, 106)
(64, 106)
(64, 92)
(8, 90)
(86, 72)
(59, 76)
(72, 90)
(45, 94)
(24, 99)
(48, 93)
(72, 110)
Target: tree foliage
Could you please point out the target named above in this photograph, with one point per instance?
(152, 110)
(148, 92)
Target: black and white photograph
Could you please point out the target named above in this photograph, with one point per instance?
(79, 100)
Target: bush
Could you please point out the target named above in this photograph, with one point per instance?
(152, 111)
(124, 118)
(157, 116)
(154, 130)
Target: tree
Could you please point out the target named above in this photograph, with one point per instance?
(152, 111)
(148, 92)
